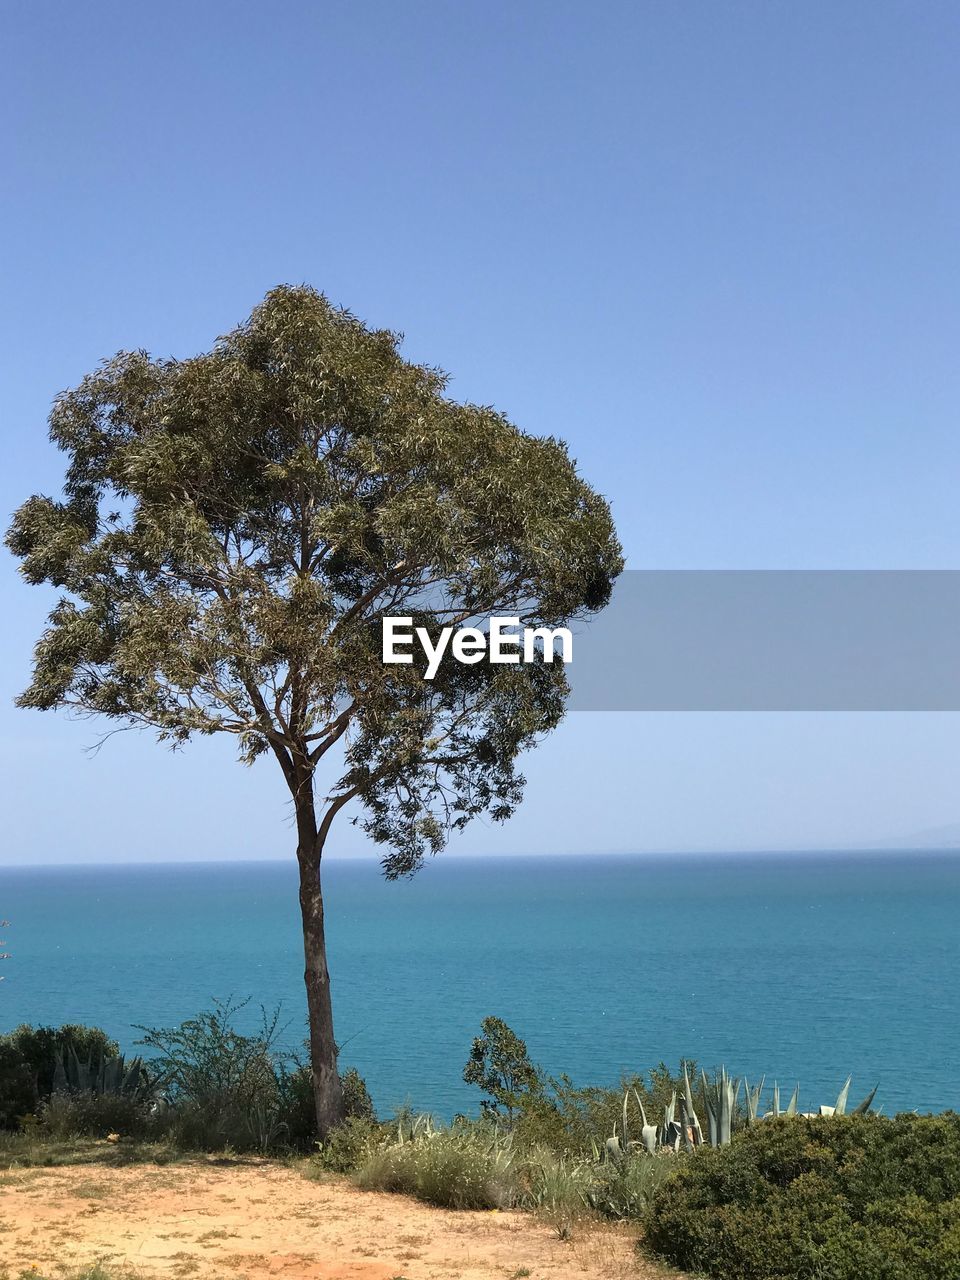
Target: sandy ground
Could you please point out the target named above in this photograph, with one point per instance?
(252, 1221)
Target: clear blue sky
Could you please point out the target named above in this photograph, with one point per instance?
(715, 246)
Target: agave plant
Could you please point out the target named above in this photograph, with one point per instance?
(720, 1097)
(839, 1108)
(649, 1133)
(671, 1133)
(752, 1094)
(792, 1105)
(411, 1127)
(106, 1075)
(689, 1123)
(863, 1108)
(620, 1145)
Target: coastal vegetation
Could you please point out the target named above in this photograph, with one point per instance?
(759, 1191)
(232, 531)
(840, 1198)
(203, 1086)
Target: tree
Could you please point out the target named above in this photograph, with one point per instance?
(233, 527)
(500, 1065)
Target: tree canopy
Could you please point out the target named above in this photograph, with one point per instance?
(234, 526)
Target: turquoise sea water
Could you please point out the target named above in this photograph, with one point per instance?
(805, 967)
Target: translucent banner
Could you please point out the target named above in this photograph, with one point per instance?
(757, 640)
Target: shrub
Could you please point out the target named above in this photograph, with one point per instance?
(556, 1113)
(851, 1198)
(477, 1165)
(350, 1144)
(224, 1088)
(297, 1110)
(207, 1057)
(356, 1097)
(297, 1113)
(574, 1120)
(39, 1048)
(559, 1188)
(500, 1066)
(93, 1115)
(18, 1092)
(28, 1062)
(455, 1168)
(626, 1189)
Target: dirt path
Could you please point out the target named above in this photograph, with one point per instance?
(252, 1221)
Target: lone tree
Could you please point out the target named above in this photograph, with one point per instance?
(233, 527)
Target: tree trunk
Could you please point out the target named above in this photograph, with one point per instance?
(323, 1048)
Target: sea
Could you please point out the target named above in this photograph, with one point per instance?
(802, 968)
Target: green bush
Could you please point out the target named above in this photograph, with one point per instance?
(838, 1198)
(554, 1112)
(574, 1120)
(356, 1096)
(39, 1048)
(93, 1115)
(209, 1086)
(28, 1060)
(223, 1088)
(479, 1165)
(626, 1189)
(348, 1146)
(297, 1114)
(297, 1110)
(18, 1091)
(559, 1188)
(500, 1066)
(455, 1168)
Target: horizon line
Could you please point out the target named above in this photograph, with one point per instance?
(733, 852)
